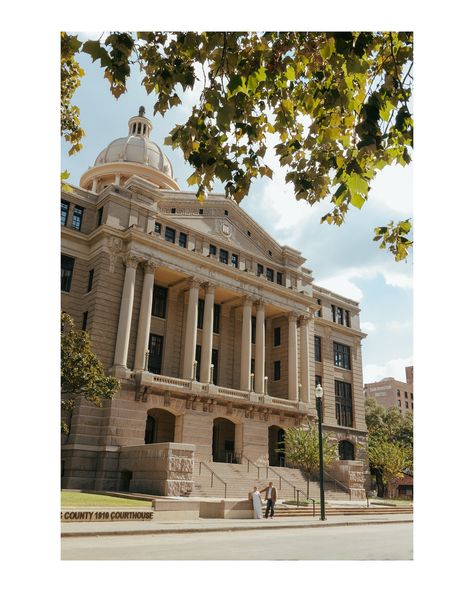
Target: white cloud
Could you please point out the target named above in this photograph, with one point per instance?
(368, 327)
(394, 368)
(400, 326)
(399, 280)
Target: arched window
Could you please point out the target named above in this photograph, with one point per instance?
(160, 426)
(346, 450)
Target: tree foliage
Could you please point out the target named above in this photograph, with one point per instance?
(337, 103)
(302, 449)
(389, 443)
(82, 372)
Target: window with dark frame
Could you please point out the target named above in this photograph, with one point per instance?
(212, 250)
(158, 227)
(90, 280)
(223, 256)
(217, 318)
(317, 348)
(276, 370)
(183, 240)
(340, 316)
(215, 363)
(406, 404)
(318, 380)
(64, 212)
(254, 328)
(319, 313)
(270, 274)
(160, 296)
(155, 353)
(343, 391)
(198, 360)
(333, 312)
(200, 319)
(346, 450)
(234, 261)
(259, 269)
(84, 320)
(279, 278)
(67, 268)
(77, 215)
(170, 234)
(100, 212)
(348, 318)
(276, 336)
(342, 355)
(252, 366)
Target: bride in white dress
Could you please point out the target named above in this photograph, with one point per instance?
(257, 503)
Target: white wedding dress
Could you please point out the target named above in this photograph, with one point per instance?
(257, 504)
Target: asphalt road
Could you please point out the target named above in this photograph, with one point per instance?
(367, 542)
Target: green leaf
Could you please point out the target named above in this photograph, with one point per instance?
(357, 200)
(328, 49)
(357, 184)
(236, 85)
(290, 73)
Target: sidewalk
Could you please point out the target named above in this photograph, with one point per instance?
(80, 529)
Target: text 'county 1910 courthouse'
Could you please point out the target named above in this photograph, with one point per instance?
(216, 332)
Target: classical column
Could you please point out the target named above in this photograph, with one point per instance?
(304, 345)
(260, 349)
(246, 345)
(94, 185)
(125, 317)
(207, 331)
(144, 319)
(191, 329)
(292, 358)
(117, 179)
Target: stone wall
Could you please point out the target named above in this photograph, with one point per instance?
(160, 469)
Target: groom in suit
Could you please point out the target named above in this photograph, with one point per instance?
(270, 497)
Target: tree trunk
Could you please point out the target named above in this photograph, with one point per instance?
(380, 484)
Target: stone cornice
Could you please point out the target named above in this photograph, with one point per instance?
(336, 327)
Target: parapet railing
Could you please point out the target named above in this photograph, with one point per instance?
(213, 474)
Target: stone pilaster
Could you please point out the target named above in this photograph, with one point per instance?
(145, 316)
(260, 349)
(292, 358)
(246, 346)
(208, 325)
(191, 329)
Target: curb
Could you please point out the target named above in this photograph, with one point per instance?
(227, 528)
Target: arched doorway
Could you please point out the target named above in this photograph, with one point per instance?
(223, 440)
(160, 426)
(276, 446)
(346, 450)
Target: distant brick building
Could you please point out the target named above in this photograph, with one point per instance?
(389, 392)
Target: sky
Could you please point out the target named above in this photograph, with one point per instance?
(343, 259)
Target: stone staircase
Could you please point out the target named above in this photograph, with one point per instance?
(240, 479)
(301, 512)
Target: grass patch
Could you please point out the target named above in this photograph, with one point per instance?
(392, 502)
(293, 503)
(78, 499)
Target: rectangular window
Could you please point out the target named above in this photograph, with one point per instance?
(254, 328)
(259, 269)
(217, 318)
(64, 212)
(411, 396)
(343, 392)
(100, 212)
(348, 318)
(276, 336)
(84, 320)
(234, 261)
(160, 296)
(317, 348)
(215, 362)
(276, 370)
(398, 393)
(340, 316)
(406, 404)
(318, 380)
(157, 227)
(223, 256)
(77, 214)
(212, 250)
(406, 395)
(90, 280)
(155, 353)
(170, 234)
(200, 320)
(333, 311)
(319, 313)
(67, 267)
(279, 278)
(342, 355)
(399, 403)
(252, 366)
(183, 240)
(198, 360)
(270, 275)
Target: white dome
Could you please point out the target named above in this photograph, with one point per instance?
(136, 148)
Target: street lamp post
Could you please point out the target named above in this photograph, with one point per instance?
(319, 398)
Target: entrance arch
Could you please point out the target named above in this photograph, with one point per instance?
(160, 426)
(223, 440)
(276, 441)
(346, 450)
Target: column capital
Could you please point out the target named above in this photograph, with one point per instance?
(260, 304)
(292, 316)
(210, 288)
(131, 260)
(151, 266)
(194, 283)
(304, 319)
(247, 301)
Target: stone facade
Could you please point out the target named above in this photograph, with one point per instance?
(217, 333)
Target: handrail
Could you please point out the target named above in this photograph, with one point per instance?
(298, 491)
(341, 485)
(271, 469)
(201, 462)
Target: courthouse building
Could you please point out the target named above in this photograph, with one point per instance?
(217, 333)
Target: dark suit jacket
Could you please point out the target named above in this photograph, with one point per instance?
(274, 493)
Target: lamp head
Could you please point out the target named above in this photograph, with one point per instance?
(319, 392)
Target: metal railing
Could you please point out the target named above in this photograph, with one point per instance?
(266, 469)
(213, 474)
(298, 491)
